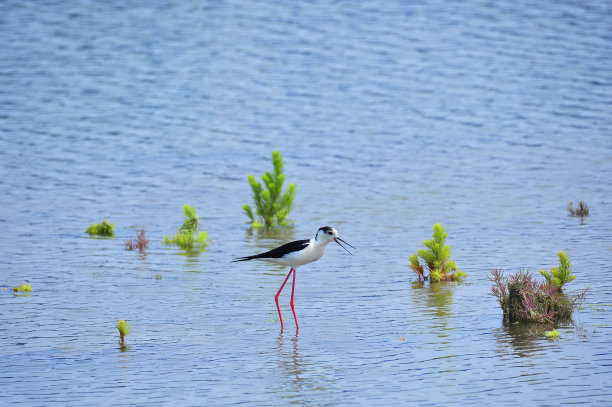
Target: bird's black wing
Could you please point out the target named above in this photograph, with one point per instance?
(278, 252)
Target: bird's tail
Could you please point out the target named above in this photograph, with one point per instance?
(245, 258)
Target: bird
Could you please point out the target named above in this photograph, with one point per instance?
(295, 254)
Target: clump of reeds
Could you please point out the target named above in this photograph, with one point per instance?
(582, 210)
(436, 256)
(272, 205)
(23, 288)
(141, 242)
(124, 329)
(189, 235)
(105, 228)
(523, 299)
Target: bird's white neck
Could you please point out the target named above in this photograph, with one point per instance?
(319, 242)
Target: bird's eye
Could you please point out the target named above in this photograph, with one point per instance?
(329, 233)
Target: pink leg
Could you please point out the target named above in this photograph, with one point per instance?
(297, 327)
(278, 293)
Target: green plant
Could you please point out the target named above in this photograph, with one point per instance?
(124, 329)
(437, 259)
(561, 275)
(189, 236)
(105, 228)
(272, 205)
(523, 299)
(23, 288)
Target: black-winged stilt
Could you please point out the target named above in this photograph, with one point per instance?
(296, 254)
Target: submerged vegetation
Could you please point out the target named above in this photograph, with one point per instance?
(105, 228)
(189, 236)
(554, 334)
(272, 205)
(23, 288)
(437, 259)
(141, 242)
(523, 299)
(582, 210)
(124, 329)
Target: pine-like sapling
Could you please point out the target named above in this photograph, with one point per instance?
(436, 257)
(272, 205)
(124, 329)
(105, 228)
(189, 236)
(559, 276)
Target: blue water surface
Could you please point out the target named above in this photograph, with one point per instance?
(488, 117)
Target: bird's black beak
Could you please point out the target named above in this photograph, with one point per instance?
(338, 240)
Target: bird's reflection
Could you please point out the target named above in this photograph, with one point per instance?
(289, 362)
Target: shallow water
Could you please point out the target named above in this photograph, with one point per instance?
(485, 117)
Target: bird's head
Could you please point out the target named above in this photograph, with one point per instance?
(328, 234)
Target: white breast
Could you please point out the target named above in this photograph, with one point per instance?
(311, 253)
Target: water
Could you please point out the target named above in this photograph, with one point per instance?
(391, 116)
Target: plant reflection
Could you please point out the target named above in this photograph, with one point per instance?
(269, 238)
(523, 339)
(193, 262)
(435, 299)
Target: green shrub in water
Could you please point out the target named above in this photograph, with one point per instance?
(523, 299)
(272, 205)
(437, 259)
(561, 275)
(101, 229)
(189, 235)
(23, 288)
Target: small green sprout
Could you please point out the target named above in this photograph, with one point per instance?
(23, 288)
(101, 229)
(561, 275)
(189, 235)
(554, 334)
(124, 329)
